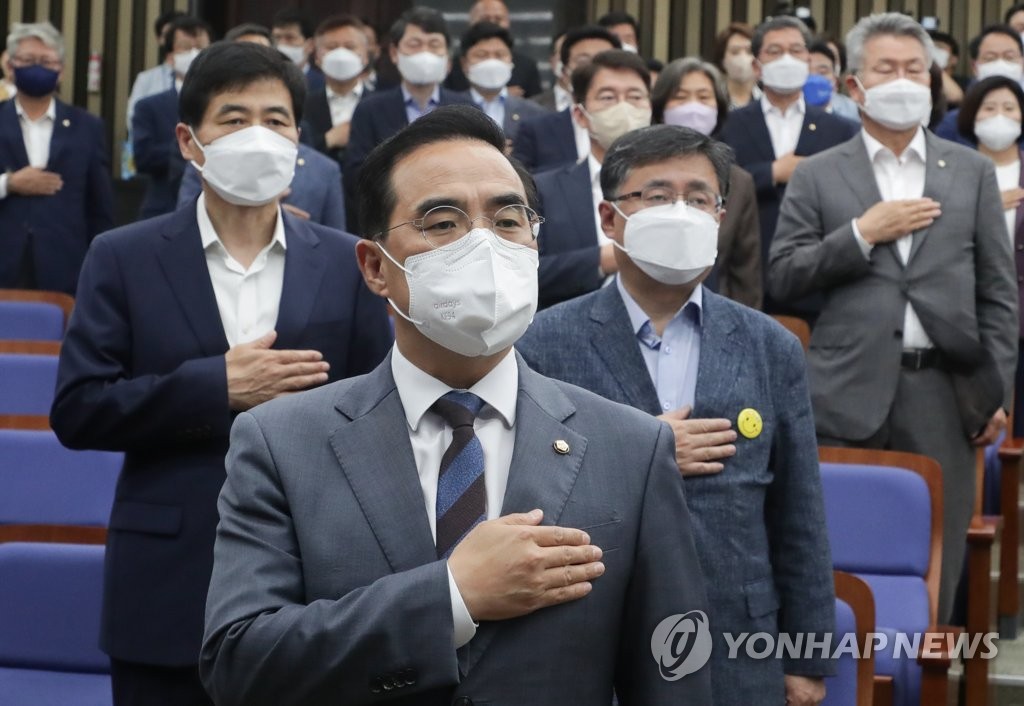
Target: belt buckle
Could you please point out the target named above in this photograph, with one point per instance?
(918, 358)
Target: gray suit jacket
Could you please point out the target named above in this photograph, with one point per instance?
(759, 524)
(961, 267)
(326, 585)
(516, 111)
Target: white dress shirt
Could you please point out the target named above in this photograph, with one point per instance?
(341, 106)
(148, 83)
(248, 299)
(784, 127)
(899, 178)
(563, 98)
(430, 436)
(582, 138)
(1008, 177)
(495, 108)
(597, 196)
(37, 135)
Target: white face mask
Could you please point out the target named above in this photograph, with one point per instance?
(342, 64)
(297, 55)
(740, 67)
(490, 74)
(1001, 67)
(941, 58)
(250, 167)
(422, 68)
(475, 296)
(998, 132)
(183, 60)
(608, 125)
(673, 244)
(631, 48)
(787, 74)
(898, 105)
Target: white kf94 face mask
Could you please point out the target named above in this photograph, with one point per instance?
(475, 296)
(422, 68)
(672, 244)
(998, 132)
(342, 64)
(249, 167)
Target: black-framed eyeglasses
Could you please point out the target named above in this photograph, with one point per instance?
(442, 225)
(700, 199)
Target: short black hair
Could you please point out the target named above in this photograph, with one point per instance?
(245, 28)
(578, 34)
(820, 47)
(658, 143)
(655, 65)
(337, 22)
(293, 16)
(165, 18)
(945, 38)
(481, 32)
(192, 26)
(375, 192)
(975, 97)
(1014, 9)
(610, 19)
(614, 59)
(226, 66)
(774, 24)
(974, 48)
(426, 18)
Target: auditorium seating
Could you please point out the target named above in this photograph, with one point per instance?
(31, 315)
(855, 614)
(28, 382)
(796, 326)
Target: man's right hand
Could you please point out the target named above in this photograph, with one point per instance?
(701, 444)
(33, 181)
(887, 221)
(257, 374)
(782, 168)
(337, 136)
(512, 566)
(1012, 198)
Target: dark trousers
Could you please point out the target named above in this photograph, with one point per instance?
(137, 684)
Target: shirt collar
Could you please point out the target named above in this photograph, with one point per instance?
(798, 108)
(916, 148)
(419, 390)
(51, 111)
(435, 96)
(595, 169)
(209, 236)
(356, 92)
(639, 319)
(502, 97)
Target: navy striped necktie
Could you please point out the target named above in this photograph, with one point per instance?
(461, 495)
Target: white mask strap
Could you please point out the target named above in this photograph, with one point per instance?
(202, 150)
(391, 301)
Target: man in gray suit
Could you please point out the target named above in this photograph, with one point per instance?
(903, 234)
(339, 575)
(657, 340)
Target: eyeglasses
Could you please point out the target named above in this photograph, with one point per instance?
(21, 62)
(442, 225)
(700, 199)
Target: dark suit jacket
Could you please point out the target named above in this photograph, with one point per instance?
(569, 250)
(737, 271)
(56, 229)
(316, 122)
(142, 371)
(546, 141)
(948, 130)
(760, 523)
(156, 152)
(747, 133)
(518, 111)
(545, 99)
(327, 588)
(525, 74)
(316, 188)
(378, 117)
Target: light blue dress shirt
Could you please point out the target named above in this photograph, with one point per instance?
(671, 359)
(412, 108)
(495, 109)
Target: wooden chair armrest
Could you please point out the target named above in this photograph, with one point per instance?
(982, 531)
(63, 534)
(31, 422)
(882, 691)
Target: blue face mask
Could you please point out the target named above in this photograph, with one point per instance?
(817, 90)
(36, 80)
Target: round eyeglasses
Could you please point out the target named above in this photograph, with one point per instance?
(700, 199)
(442, 225)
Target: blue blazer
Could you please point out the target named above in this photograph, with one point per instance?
(142, 371)
(156, 152)
(57, 228)
(316, 121)
(378, 117)
(317, 188)
(759, 524)
(569, 253)
(747, 133)
(948, 130)
(546, 141)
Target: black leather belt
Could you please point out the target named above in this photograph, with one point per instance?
(920, 358)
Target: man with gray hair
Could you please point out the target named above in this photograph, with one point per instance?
(55, 188)
(903, 234)
(658, 340)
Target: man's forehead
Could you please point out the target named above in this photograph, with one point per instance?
(613, 78)
(997, 41)
(257, 96)
(34, 44)
(678, 171)
(440, 168)
(412, 30)
(787, 35)
(891, 47)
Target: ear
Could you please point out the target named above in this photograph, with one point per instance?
(757, 69)
(853, 89)
(580, 117)
(393, 53)
(188, 147)
(371, 263)
(608, 215)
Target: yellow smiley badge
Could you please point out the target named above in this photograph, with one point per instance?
(749, 423)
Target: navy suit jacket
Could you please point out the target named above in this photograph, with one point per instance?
(378, 117)
(525, 74)
(759, 524)
(316, 188)
(156, 152)
(948, 130)
(546, 141)
(569, 253)
(57, 228)
(142, 371)
(746, 132)
(316, 121)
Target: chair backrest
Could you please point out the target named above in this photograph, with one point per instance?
(31, 321)
(50, 600)
(27, 383)
(41, 482)
(796, 326)
(62, 301)
(852, 684)
(883, 510)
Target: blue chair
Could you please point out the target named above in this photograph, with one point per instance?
(50, 598)
(34, 315)
(855, 615)
(27, 383)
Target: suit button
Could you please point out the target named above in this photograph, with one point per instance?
(463, 701)
(375, 685)
(409, 675)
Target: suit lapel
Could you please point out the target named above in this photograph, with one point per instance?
(303, 270)
(807, 142)
(383, 476)
(759, 134)
(615, 343)
(184, 264)
(10, 128)
(718, 368)
(567, 135)
(578, 196)
(62, 127)
(938, 180)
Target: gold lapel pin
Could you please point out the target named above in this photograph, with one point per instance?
(515, 116)
(560, 447)
(942, 163)
(66, 123)
(812, 127)
(302, 162)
